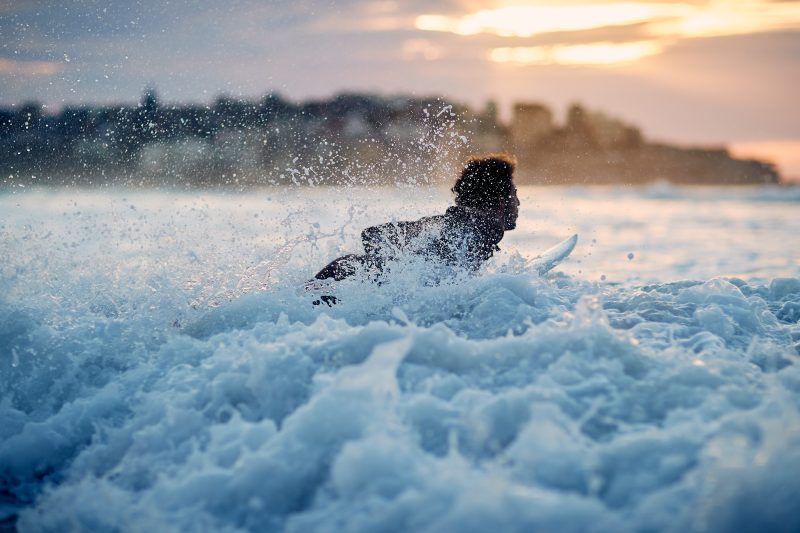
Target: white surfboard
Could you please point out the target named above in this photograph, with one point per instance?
(548, 260)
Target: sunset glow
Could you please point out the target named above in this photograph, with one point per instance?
(690, 71)
(528, 20)
(731, 18)
(665, 22)
(603, 53)
(28, 68)
(785, 153)
(421, 48)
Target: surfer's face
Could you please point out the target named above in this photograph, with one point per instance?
(511, 210)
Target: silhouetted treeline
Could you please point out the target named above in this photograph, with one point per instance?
(351, 138)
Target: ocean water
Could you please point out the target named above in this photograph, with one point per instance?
(162, 369)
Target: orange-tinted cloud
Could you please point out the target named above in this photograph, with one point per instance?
(602, 53)
(421, 49)
(663, 23)
(10, 67)
(529, 20)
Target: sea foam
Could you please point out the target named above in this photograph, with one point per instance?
(503, 401)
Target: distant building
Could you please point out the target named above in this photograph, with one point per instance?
(602, 130)
(530, 124)
(593, 147)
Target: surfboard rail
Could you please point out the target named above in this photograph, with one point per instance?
(551, 257)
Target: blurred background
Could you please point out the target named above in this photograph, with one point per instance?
(172, 173)
(246, 92)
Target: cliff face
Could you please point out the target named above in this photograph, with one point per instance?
(594, 148)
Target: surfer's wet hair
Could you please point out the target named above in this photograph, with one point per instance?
(485, 181)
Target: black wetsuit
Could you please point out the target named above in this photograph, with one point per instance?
(463, 238)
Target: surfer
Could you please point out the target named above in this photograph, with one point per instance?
(464, 237)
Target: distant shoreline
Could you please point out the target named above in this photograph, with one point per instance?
(348, 139)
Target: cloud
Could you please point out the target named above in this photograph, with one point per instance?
(738, 17)
(706, 88)
(601, 53)
(10, 67)
(528, 20)
(664, 23)
(421, 48)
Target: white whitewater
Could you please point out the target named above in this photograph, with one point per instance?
(160, 370)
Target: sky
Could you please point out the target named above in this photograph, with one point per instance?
(688, 72)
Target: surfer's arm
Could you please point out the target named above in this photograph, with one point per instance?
(341, 268)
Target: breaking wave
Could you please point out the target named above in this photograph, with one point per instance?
(149, 381)
(505, 401)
